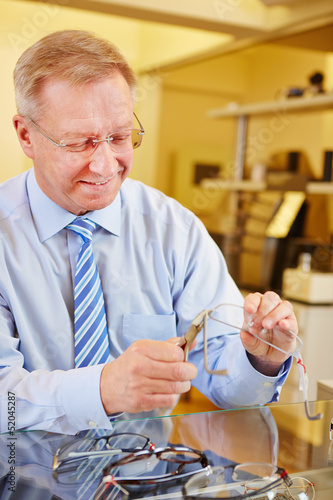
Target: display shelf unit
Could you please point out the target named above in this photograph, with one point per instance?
(253, 186)
(316, 103)
(242, 112)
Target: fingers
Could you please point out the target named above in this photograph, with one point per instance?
(271, 319)
(149, 374)
(160, 360)
(268, 310)
(176, 341)
(159, 350)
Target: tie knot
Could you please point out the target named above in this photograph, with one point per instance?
(83, 227)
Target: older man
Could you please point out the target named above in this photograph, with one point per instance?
(101, 275)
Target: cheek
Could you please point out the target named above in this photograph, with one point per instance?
(128, 162)
(60, 175)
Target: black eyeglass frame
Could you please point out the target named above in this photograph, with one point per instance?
(87, 455)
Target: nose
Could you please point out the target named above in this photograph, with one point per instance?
(103, 160)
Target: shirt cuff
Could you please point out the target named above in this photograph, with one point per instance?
(81, 398)
(248, 387)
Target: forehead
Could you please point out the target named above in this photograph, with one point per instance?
(95, 104)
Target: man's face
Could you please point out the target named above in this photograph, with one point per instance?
(72, 180)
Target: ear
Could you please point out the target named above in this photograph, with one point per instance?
(22, 128)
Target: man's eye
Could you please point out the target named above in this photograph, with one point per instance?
(119, 138)
(78, 144)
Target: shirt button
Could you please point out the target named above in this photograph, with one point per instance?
(91, 423)
(267, 384)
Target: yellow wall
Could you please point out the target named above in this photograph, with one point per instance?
(144, 44)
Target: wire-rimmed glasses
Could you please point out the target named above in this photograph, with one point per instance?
(231, 316)
(249, 480)
(74, 461)
(119, 142)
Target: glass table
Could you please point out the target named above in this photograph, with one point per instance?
(277, 433)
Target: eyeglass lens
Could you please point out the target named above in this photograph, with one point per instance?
(119, 143)
(125, 442)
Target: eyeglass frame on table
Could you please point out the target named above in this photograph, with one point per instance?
(283, 480)
(88, 454)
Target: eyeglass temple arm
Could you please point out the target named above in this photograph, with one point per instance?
(196, 326)
(304, 388)
(142, 130)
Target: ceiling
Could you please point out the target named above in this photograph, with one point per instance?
(315, 39)
(235, 24)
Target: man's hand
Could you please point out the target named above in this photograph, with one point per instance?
(149, 374)
(268, 312)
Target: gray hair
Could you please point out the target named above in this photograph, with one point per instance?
(74, 56)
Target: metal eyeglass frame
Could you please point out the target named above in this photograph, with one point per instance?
(200, 322)
(85, 454)
(282, 473)
(95, 142)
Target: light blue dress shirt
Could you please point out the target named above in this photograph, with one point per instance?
(159, 268)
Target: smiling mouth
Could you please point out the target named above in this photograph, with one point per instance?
(96, 183)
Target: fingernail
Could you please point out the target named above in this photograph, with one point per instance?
(251, 321)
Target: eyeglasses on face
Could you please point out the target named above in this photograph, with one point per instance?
(232, 317)
(90, 451)
(248, 480)
(119, 142)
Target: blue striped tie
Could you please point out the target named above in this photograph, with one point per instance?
(91, 334)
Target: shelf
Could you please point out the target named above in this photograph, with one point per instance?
(319, 187)
(220, 185)
(299, 104)
(253, 186)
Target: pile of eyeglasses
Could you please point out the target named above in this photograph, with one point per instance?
(130, 465)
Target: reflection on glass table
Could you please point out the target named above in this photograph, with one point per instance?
(278, 435)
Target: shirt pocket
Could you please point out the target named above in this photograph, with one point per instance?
(153, 326)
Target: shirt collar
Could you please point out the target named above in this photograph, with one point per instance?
(50, 218)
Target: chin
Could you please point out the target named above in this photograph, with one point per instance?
(98, 204)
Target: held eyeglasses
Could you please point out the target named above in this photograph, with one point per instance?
(119, 142)
(234, 320)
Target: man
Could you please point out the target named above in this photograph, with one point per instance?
(157, 265)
